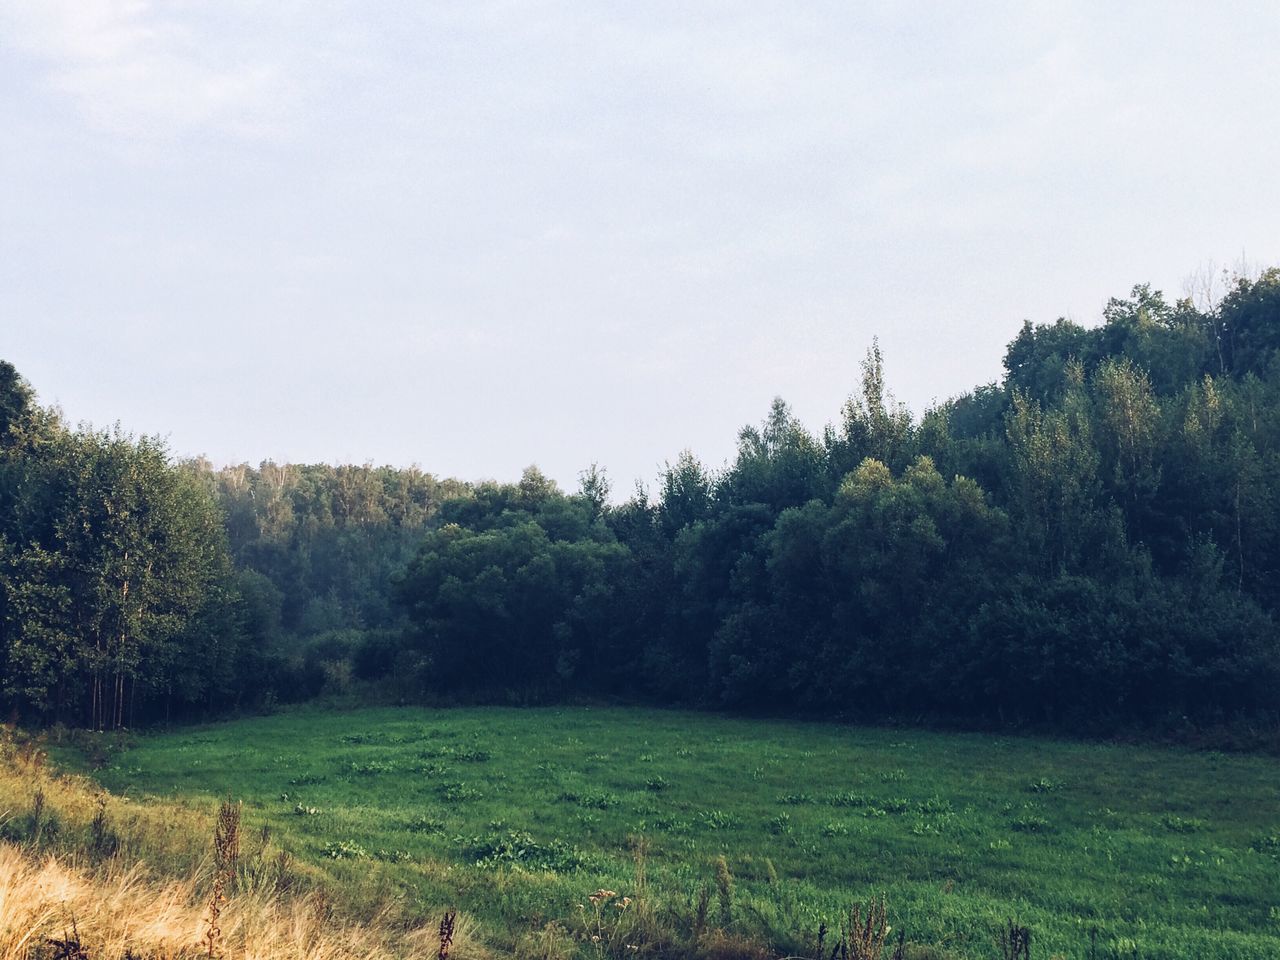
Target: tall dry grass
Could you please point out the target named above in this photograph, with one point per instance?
(85, 875)
(49, 906)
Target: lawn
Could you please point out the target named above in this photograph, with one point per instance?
(516, 815)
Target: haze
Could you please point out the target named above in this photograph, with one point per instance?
(481, 236)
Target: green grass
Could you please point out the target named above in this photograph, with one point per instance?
(516, 815)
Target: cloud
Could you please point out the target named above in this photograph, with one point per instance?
(135, 70)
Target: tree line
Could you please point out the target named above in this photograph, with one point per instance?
(1091, 543)
(135, 587)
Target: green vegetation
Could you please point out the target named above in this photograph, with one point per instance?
(769, 828)
(1092, 544)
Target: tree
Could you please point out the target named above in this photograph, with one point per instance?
(594, 488)
(872, 424)
(1054, 463)
(17, 405)
(1129, 417)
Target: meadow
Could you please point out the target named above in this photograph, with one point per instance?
(517, 816)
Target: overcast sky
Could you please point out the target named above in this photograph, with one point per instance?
(480, 235)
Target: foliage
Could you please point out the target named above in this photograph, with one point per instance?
(1091, 544)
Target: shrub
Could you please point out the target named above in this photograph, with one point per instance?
(516, 847)
(345, 850)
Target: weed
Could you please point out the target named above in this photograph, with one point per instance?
(1045, 785)
(550, 942)
(657, 784)
(458, 792)
(601, 932)
(1014, 942)
(425, 824)
(69, 946)
(226, 853)
(700, 912)
(864, 937)
(1176, 824)
(445, 935)
(670, 824)
(371, 768)
(718, 819)
(515, 847)
(37, 816)
(459, 754)
(1030, 823)
(724, 891)
(936, 826)
(935, 805)
(593, 801)
(1269, 844)
(226, 837)
(102, 840)
(30, 754)
(848, 799)
(345, 850)
(1124, 948)
(722, 945)
(779, 825)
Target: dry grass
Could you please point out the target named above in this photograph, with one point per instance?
(114, 912)
(79, 816)
(85, 875)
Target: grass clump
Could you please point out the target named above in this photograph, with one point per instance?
(719, 820)
(518, 848)
(1175, 824)
(458, 792)
(1030, 823)
(592, 801)
(425, 823)
(345, 850)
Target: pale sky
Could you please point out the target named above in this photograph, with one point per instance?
(480, 235)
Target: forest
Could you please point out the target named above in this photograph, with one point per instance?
(1090, 545)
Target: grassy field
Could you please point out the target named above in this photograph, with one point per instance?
(517, 815)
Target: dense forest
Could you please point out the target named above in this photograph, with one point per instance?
(1091, 544)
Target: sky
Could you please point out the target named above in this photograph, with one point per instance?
(480, 236)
